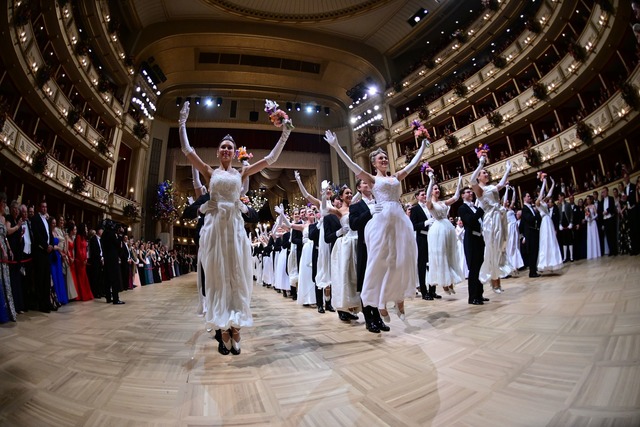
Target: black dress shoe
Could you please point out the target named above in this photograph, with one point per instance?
(427, 297)
(373, 328)
(352, 316)
(320, 309)
(108, 301)
(436, 296)
(344, 317)
(382, 326)
(534, 275)
(330, 308)
(118, 302)
(476, 302)
(486, 299)
(222, 349)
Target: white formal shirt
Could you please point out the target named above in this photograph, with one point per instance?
(26, 235)
(46, 226)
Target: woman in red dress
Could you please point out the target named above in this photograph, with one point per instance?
(80, 264)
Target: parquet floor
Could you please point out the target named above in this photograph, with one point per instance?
(558, 351)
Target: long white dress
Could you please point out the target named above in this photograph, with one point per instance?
(344, 282)
(280, 271)
(593, 238)
(513, 241)
(460, 246)
(225, 254)
(306, 285)
(292, 265)
(391, 273)
(444, 261)
(494, 231)
(267, 269)
(323, 273)
(549, 256)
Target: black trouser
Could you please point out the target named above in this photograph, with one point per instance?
(611, 235)
(371, 314)
(319, 297)
(533, 245)
(423, 259)
(474, 253)
(42, 279)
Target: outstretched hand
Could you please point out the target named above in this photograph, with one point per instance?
(279, 209)
(508, 165)
(331, 138)
(184, 113)
(296, 174)
(483, 159)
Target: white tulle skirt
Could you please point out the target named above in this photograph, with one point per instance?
(549, 256)
(444, 261)
(344, 282)
(306, 286)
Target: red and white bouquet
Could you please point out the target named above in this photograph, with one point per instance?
(420, 132)
(276, 115)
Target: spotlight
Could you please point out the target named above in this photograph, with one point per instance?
(298, 106)
(178, 101)
(318, 109)
(417, 17)
(219, 101)
(289, 106)
(197, 100)
(326, 111)
(373, 90)
(208, 102)
(309, 109)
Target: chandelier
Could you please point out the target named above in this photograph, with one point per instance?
(257, 198)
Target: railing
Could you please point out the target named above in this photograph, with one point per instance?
(560, 77)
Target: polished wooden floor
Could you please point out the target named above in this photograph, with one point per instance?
(558, 350)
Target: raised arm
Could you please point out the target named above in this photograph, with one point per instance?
(285, 221)
(456, 196)
(541, 195)
(550, 193)
(270, 158)
(332, 139)
(197, 185)
(413, 163)
(188, 151)
(505, 177)
(474, 177)
(432, 181)
(513, 198)
(304, 191)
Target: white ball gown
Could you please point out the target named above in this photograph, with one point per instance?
(549, 256)
(306, 285)
(391, 273)
(323, 273)
(513, 241)
(344, 294)
(225, 254)
(494, 231)
(444, 262)
(460, 246)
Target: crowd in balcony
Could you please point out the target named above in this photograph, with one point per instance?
(49, 261)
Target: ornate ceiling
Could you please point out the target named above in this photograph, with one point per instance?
(348, 41)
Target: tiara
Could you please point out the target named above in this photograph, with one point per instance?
(228, 138)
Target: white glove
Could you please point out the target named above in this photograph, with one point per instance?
(560, 227)
(483, 159)
(376, 209)
(182, 130)
(508, 165)
(296, 175)
(429, 222)
(279, 209)
(324, 185)
(243, 208)
(275, 153)
(331, 138)
(190, 200)
(570, 226)
(342, 231)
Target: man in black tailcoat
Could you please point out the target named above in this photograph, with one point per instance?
(530, 228)
(608, 214)
(473, 242)
(41, 247)
(111, 248)
(632, 213)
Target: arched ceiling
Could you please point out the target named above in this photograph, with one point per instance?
(345, 41)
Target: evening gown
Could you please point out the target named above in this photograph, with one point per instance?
(344, 283)
(323, 274)
(59, 284)
(391, 273)
(460, 246)
(70, 275)
(306, 286)
(225, 254)
(444, 261)
(549, 256)
(494, 231)
(80, 264)
(7, 308)
(513, 241)
(593, 238)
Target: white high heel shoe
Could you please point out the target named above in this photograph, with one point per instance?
(386, 317)
(400, 314)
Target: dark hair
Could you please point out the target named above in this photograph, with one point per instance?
(358, 182)
(82, 230)
(3, 197)
(229, 138)
(417, 193)
(334, 197)
(343, 189)
(561, 194)
(71, 225)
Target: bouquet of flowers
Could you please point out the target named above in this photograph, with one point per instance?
(541, 175)
(420, 132)
(482, 150)
(277, 116)
(245, 200)
(424, 167)
(243, 155)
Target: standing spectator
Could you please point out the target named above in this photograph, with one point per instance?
(7, 308)
(609, 215)
(110, 250)
(42, 246)
(95, 266)
(16, 243)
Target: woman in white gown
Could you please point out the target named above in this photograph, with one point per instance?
(281, 277)
(225, 249)
(593, 238)
(323, 274)
(494, 226)
(513, 236)
(306, 285)
(460, 246)
(549, 256)
(391, 273)
(444, 263)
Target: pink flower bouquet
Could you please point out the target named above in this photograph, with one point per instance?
(277, 116)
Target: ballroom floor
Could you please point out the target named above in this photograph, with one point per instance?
(558, 350)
